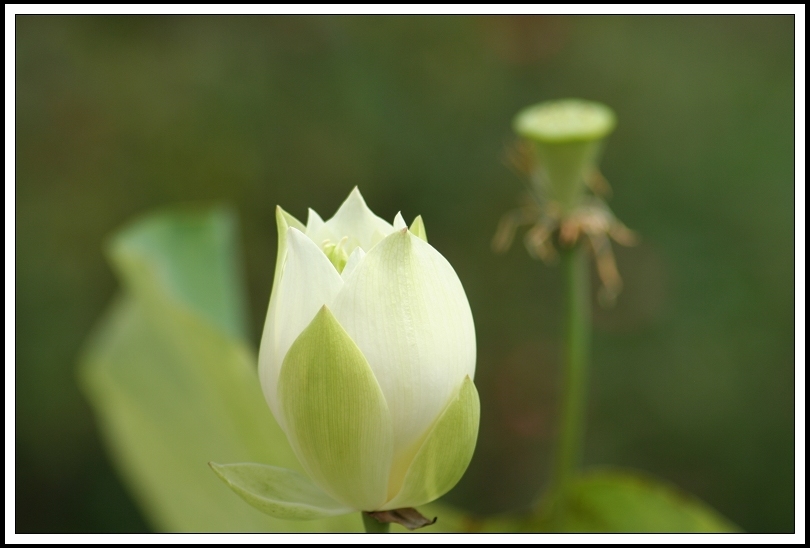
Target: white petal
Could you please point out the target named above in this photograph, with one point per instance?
(314, 220)
(355, 220)
(399, 222)
(283, 222)
(308, 281)
(316, 229)
(405, 308)
(354, 260)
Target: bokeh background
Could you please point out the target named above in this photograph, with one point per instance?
(693, 370)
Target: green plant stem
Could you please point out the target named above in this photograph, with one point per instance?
(374, 526)
(576, 351)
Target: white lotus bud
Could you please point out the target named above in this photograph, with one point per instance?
(366, 360)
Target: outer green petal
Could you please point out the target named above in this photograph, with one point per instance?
(337, 418)
(445, 454)
(418, 228)
(282, 493)
(405, 309)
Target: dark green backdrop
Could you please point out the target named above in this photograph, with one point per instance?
(693, 370)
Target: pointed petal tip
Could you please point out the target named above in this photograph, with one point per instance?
(290, 235)
(418, 228)
(284, 219)
(324, 312)
(399, 223)
(398, 235)
(355, 194)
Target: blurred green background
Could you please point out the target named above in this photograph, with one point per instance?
(693, 370)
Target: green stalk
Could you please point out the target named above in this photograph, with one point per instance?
(374, 526)
(577, 348)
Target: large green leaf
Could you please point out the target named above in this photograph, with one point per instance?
(173, 382)
(617, 501)
(187, 257)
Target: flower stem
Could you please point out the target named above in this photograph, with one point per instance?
(577, 348)
(374, 526)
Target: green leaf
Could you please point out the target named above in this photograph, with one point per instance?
(189, 257)
(615, 501)
(445, 454)
(336, 414)
(279, 492)
(418, 228)
(173, 381)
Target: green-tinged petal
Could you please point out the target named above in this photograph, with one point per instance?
(445, 454)
(355, 220)
(282, 493)
(405, 308)
(308, 282)
(418, 228)
(336, 415)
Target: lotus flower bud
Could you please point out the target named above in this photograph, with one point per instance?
(366, 361)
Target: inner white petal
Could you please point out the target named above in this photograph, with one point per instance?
(399, 222)
(354, 260)
(317, 230)
(355, 220)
